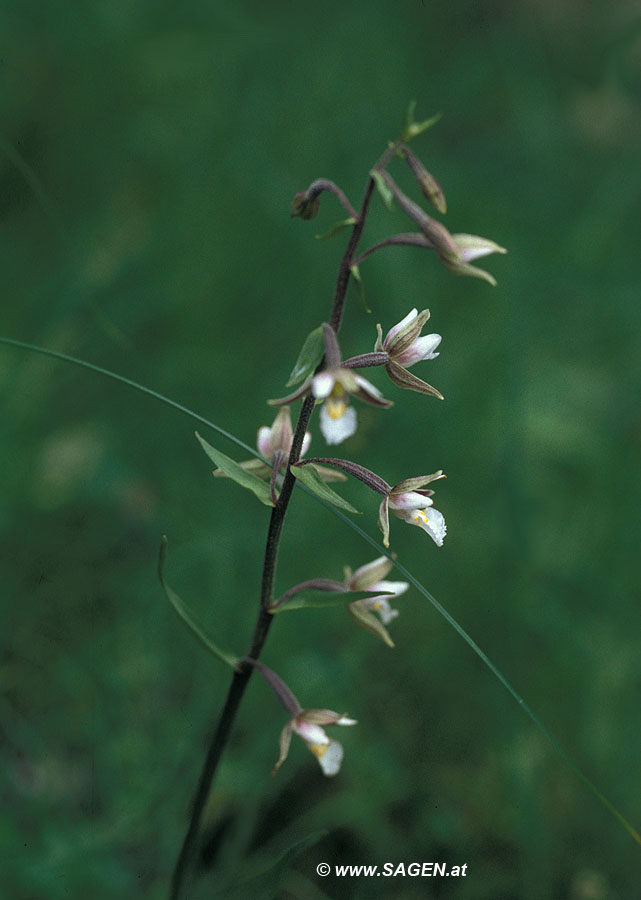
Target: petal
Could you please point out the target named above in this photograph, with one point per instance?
(391, 334)
(393, 587)
(381, 606)
(435, 526)
(422, 348)
(369, 394)
(430, 520)
(263, 441)
(322, 385)
(370, 574)
(281, 431)
(330, 757)
(306, 442)
(472, 247)
(409, 500)
(325, 717)
(336, 430)
(309, 731)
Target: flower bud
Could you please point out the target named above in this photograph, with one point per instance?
(304, 207)
(430, 188)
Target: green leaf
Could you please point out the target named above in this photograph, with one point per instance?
(321, 599)
(359, 286)
(236, 472)
(336, 229)
(266, 886)
(366, 619)
(311, 479)
(309, 357)
(188, 620)
(386, 195)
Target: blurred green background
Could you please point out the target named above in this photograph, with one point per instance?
(148, 156)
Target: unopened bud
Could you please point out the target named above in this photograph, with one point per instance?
(430, 188)
(303, 207)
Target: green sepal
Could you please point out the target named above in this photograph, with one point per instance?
(386, 195)
(321, 599)
(186, 617)
(369, 621)
(336, 229)
(311, 479)
(359, 286)
(236, 472)
(309, 357)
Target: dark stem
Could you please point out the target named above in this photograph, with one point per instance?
(184, 871)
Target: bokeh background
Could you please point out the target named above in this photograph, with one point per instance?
(148, 156)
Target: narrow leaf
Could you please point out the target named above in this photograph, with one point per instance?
(336, 229)
(311, 479)
(186, 617)
(321, 599)
(309, 357)
(386, 195)
(236, 472)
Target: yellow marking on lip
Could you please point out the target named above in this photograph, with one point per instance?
(318, 750)
(422, 515)
(336, 408)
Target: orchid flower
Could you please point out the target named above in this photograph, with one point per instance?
(371, 577)
(413, 506)
(306, 723)
(405, 347)
(275, 444)
(334, 386)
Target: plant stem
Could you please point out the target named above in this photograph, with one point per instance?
(184, 871)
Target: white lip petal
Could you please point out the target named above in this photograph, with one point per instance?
(433, 523)
(335, 431)
(322, 385)
(381, 606)
(331, 758)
